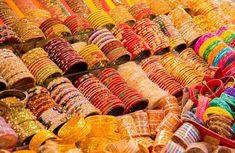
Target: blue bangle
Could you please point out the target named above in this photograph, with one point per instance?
(220, 103)
(230, 100)
(221, 54)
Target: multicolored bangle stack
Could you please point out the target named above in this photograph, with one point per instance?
(8, 136)
(186, 135)
(56, 8)
(127, 127)
(78, 24)
(100, 18)
(28, 30)
(63, 54)
(38, 16)
(110, 46)
(7, 15)
(169, 104)
(141, 122)
(180, 70)
(14, 71)
(53, 27)
(173, 147)
(121, 15)
(21, 119)
(99, 95)
(227, 35)
(158, 74)
(176, 40)
(39, 101)
(189, 56)
(150, 32)
(41, 66)
(67, 96)
(137, 79)
(7, 35)
(116, 84)
(184, 23)
(94, 56)
(79, 7)
(214, 50)
(140, 11)
(155, 117)
(131, 41)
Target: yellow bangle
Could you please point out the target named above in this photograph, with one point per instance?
(215, 110)
(225, 34)
(206, 44)
(39, 138)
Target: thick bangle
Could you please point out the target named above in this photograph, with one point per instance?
(211, 87)
(215, 110)
(40, 138)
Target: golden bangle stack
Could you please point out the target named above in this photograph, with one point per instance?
(41, 66)
(100, 19)
(183, 73)
(184, 23)
(94, 56)
(21, 119)
(160, 6)
(28, 30)
(14, 71)
(120, 15)
(58, 30)
(38, 16)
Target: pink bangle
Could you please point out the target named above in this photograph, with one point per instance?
(201, 40)
(221, 31)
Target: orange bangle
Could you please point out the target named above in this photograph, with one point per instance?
(213, 54)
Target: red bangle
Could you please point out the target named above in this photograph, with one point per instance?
(211, 87)
(213, 73)
(194, 91)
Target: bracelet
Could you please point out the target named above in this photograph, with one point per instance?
(215, 110)
(211, 88)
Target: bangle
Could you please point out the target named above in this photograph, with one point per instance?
(141, 121)
(162, 139)
(215, 110)
(40, 138)
(213, 73)
(211, 88)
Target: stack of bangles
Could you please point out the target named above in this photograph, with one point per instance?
(203, 23)
(94, 57)
(150, 32)
(56, 8)
(78, 24)
(170, 104)
(121, 15)
(7, 135)
(41, 66)
(140, 11)
(116, 84)
(184, 23)
(44, 108)
(67, 96)
(162, 139)
(110, 46)
(160, 7)
(28, 30)
(99, 95)
(131, 41)
(14, 71)
(227, 35)
(79, 7)
(21, 119)
(38, 16)
(176, 40)
(7, 15)
(158, 74)
(63, 54)
(53, 27)
(39, 101)
(189, 56)
(7, 35)
(137, 79)
(180, 70)
(100, 19)
(155, 117)
(213, 50)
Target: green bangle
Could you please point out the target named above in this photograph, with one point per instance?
(230, 100)
(210, 48)
(229, 38)
(220, 103)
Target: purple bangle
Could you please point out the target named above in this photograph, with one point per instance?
(230, 91)
(221, 31)
(201, 40)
